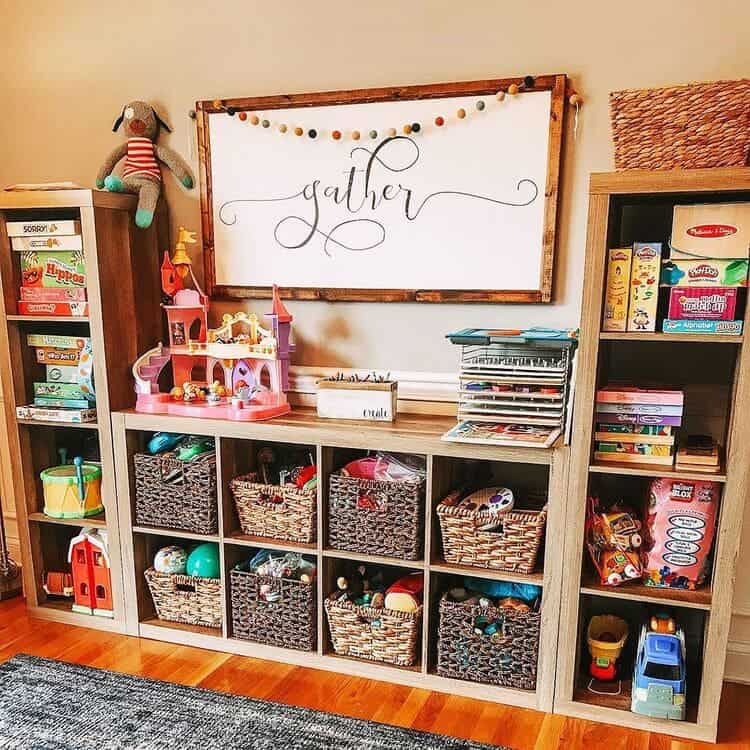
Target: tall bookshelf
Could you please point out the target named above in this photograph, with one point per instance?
(715, 371)
(122, 267)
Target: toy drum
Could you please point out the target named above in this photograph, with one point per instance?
(72, 490)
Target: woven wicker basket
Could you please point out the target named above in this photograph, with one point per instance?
(509, 658)
(382, 635)
(699, 125)
(187, 503)
(290, 622)
(514, 548)
(376, 517)
(187, 599)
(273, 511)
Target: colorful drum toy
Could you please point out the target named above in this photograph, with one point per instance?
(72, 490)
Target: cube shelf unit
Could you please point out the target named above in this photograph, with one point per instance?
(715, 370)
(123, 320)
(333, 442)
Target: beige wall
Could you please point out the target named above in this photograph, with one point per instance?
(66, 68)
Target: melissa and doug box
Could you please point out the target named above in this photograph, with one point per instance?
(702, 303)
(711, 231)
(52, 269)
(644, 286)
(617, 291)
(679, 532)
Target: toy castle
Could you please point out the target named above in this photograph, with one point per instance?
(239, 370)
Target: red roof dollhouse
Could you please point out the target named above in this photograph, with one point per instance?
(90, 567)
(239, 370)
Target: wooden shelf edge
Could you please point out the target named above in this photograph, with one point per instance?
(647, 470)
(638, 592)
(99, 521)
(45, 423)
(177, 534)
(536, 578)
(48, 318)
(238, 538)
(695, 338)
(337, 554)
(61, 612)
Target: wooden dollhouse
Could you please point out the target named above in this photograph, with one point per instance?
(238, 371)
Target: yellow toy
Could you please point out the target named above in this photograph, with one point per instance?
(72, 490)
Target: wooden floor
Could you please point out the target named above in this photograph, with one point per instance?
(409, 707)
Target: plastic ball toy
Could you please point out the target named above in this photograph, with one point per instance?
(171, 559)
(203, 561)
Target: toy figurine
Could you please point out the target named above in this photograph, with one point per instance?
(141, 173)
(613, 540)
(246, 365)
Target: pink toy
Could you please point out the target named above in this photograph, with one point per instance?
(238, 371)
(702, 303)
(681, 522)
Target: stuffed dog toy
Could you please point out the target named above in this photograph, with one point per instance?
(141, 173)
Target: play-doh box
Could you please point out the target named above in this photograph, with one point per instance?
(72, 490)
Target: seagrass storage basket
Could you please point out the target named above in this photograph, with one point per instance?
(275, 511)
(176, 494)
(513, 547)
(187, 599)
(699, 125)
(375, 517)
(381, 635)
(507, 658)
(290, 622)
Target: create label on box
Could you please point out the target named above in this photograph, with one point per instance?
(700, 303)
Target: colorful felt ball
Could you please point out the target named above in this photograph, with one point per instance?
(172, 559)
(242, 116)
(298, 131)
(415, 127)
(480, 105)
(336, 135)
(407, 128)
(575, 99)
(392, 132)
(500, 95)
(254, 119)
(528, 82)
(513, 89)
(439, 121)
(231, 111)
(373, 134)
(282, 128)
(355, 135)
(312, 133)
(461, 113)
(203, 561)
(265, 123)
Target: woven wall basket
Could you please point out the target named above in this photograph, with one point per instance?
(696, 126)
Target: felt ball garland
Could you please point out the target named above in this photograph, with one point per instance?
(408, 128)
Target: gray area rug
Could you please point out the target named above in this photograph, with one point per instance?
(52, 705)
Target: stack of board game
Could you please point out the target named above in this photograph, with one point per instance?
(67, 392)
(53, 271)
(637, 424)
(700, 453)
(514, 386)
(707, 266)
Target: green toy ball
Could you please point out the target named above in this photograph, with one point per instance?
(203, 561)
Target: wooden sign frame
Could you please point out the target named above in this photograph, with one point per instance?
(488, 87)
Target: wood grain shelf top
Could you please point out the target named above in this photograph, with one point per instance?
(48, 318)
(536, 578)
(176, 533)
(98, 521)
(46, 423)
(374, 559)
(155, 622)
(636, 591)
(237, 537)
(693, 338)
(653, 470)
(410, 433)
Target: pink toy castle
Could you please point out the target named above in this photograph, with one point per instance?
(238, 371)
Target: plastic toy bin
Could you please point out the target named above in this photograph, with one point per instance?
(289, 622)
(508, 658)
(376, 517)
(176, 494)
